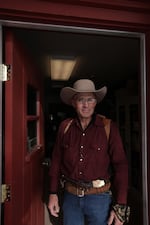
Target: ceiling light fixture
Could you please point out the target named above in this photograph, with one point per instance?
(61, 69)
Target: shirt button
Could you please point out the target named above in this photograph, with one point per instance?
(83, 134)
(99, 149)
(81, 160)
(81, 146)
(80, 173)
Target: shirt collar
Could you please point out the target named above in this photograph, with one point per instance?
(96, 120)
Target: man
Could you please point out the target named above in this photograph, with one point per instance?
(89, 162)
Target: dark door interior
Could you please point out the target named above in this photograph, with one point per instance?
(111, 60)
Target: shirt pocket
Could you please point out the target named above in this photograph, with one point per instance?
(99, 152)
(68, 152)
(97, 148)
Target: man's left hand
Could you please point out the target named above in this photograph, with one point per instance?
(113, 219)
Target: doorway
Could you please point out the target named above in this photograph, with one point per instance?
(109, 58)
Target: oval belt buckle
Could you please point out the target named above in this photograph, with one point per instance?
(80, 194)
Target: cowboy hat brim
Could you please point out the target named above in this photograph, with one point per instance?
(67, 94)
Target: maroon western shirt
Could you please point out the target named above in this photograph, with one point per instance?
(87, 155)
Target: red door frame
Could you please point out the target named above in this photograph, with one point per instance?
(130, 16)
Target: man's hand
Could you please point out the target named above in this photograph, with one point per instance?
(113, 219)
(53, 205)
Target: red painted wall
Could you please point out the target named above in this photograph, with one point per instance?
(122, 15)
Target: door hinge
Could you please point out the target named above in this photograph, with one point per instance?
(5, 193)
(5, 72)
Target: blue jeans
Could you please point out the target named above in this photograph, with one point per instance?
(94, 208)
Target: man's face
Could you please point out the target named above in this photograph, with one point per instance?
(84, 104)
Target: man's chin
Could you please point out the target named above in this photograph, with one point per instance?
(86, 115)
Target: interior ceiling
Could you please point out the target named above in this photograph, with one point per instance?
(106, 59)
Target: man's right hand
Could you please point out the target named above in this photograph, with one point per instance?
(53, 205)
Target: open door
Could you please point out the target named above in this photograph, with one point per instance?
(23, 141)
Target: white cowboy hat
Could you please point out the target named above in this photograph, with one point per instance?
(81, 86)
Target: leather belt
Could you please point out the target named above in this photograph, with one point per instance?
(80, 191)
